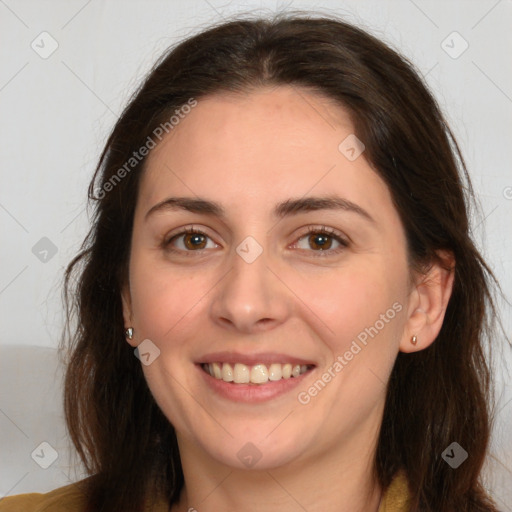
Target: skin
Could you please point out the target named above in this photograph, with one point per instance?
(249, 152)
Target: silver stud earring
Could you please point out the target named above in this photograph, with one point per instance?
(129, 333)
(414, 340)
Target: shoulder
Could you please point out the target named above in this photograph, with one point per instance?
(397, 497)
(66, 499)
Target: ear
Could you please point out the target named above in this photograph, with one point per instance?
(127, 310)
(428, 302)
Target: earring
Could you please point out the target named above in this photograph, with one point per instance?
(129, 333)
(414, 340)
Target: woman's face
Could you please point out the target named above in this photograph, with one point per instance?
(256, 292)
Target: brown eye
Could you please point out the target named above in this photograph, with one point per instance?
(194, 241)
(190, 240)
(316, 240)
(320, 240)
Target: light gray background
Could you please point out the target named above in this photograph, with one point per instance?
(56, 113)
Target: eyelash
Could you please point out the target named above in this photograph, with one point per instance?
(166, 243)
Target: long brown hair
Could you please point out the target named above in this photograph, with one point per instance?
(434, 397)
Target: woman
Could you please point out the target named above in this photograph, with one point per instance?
(279, 304)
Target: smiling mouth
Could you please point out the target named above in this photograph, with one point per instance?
(239, 373)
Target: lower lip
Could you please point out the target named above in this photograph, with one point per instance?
(252, 393)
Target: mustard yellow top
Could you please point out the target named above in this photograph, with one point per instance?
(70, 499)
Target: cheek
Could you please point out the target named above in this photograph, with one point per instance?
(354, 300)
(164, 303)
(162, 298)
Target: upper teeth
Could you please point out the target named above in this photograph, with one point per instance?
(257, 374)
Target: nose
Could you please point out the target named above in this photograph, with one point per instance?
(251, 297)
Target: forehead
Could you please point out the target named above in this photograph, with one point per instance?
(246, 149)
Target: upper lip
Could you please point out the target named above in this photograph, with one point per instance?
(266, 358)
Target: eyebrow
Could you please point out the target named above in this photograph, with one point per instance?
(286, 208)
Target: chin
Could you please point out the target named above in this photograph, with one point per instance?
(251, 450)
